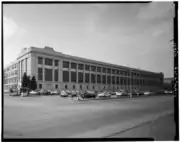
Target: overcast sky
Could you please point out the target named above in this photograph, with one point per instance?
(135, 35)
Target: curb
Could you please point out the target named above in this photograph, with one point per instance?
(110, 130)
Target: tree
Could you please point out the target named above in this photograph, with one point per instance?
(33, 83)
(29, 82)
(24, 80)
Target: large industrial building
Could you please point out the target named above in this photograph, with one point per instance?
(55, 70)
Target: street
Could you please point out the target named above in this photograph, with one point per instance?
(53, 116)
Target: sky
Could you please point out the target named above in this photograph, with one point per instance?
(133, 34)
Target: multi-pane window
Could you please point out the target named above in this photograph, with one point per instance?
(125, 81)
(56, 62)
(65, 64)
(56, 75)
(65, 76)
(40, 60)
(87, 67)
(121, 81)
(104, 70)
(56, 86)
(117, 80)
(104, 79)
(108, 79)
(108, 70)
(113, 79)
(48, 62)
(48, 74)
(80, 77)
(113, 71)
(73, 65)
(93, 78)
(40, 74)
(98, 69)
(93, 68)
(73, 76)
(40, 86)
(87, 77)
(98, 79)
(117, 72)
(80, 66)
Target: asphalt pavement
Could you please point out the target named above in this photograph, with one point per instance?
(54, 117)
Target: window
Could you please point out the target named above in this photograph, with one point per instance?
(65, 64)
(121, 81)
(113, 71)
(66, 87)
(113, 79)
(65, 76)
(87, 87)
(87, 67)
(99, 79)
(104, 79)
(87, 77)
(40, 86)
(56, 75)
(56, 86)
(117, 72)
(93, 68)
(48, 62)
(40, 74)
(80, 77)
(93, 78)
(73, 65)
(80, 86)
(98, 69)
(104, 70)
(48, 74)
(56, 62)
(117, 80)
(93, 86)
(73, 76)
(40, 60)
(108, 79)
(73, 86)
(108, 70)
(80, 66)
(104, 87)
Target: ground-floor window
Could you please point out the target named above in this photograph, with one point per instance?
(93, 87)
(40, 86)
(73, 86)
(80, 86)
(56, 86)
(87, 87)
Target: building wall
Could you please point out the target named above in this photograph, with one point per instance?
(28, 62)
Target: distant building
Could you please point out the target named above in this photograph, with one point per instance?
(55, 70)
(168, 83)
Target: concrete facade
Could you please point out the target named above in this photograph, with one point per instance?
(28, 59)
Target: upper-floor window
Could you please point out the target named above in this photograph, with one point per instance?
(104, 70)
(80, 66)
(40, 60)
(56, 62)
(87, 67)
(93, 68)
(48, 61)
(98, 69)
(113, 71)
(65, 64)
(108, 70)
(73, 65)
(117, 72)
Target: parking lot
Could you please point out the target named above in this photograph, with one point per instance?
(53, 116)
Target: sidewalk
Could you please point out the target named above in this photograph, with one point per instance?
(109, 130)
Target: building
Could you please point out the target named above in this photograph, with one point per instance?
(168, 83)
(55, 70)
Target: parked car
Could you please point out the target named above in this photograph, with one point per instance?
(47, 92)
(136, 92)
(73, 93)
(32, 92)
(104, 94)
(68, 92)
(148, 93)
(41, 92)
(168, 92)
(63, 93)
(89, 94)
(54, 92)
